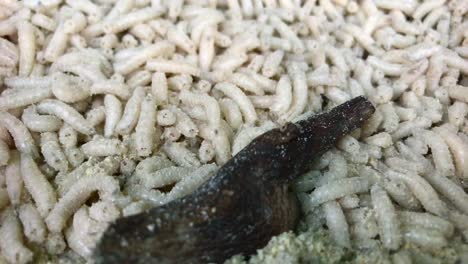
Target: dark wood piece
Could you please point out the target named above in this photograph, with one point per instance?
(239, 209)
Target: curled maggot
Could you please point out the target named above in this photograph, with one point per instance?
(240, 208)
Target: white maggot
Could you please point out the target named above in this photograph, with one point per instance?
(11, 240)
(145, 130)
(131, 113)
(40, 123)
(181, 155)
(386, 218)
(209, 103)
(14, 179)
(102, 147)
(336, 223)
(24, 97)
(33, 224)
(52, 152)
(23, 139)
(159, 87)
(441, 155)
(113, 110)
(246, 107)
(458, 148)
(422, 190)
(79, 192)
(184, 123)
(220, 142)
(338, 189)
(67, 113)
(300, 90)
(426, 220)
(166, 118)
(231, 112)
(141, 56)
(283, 96)
(37, 185)
(27, 47)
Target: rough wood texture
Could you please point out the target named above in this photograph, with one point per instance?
(246, 203)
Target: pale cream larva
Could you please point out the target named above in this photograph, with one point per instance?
(422, 190)
(33, 224)
(246, 107)
(246, 82)
(159, 87)
(145, 130)
(37, 185)
(102, 147)
(387, 218)
(171, 66)
(207, 49)
(256, 63)
(27, 47)
(43, 21)
(139, 78)
(55, 243)
(130, 19)
(231, 112)
(336, 222)
(143, 55)
(206, 151)
(52, 152)
(209, 104)
(286, 32)
(180, 39)
(166, 118)
(143, 32)
(299, 83)
(184, 123)
(113, 110)
(95, 116)
(14, 179)
(229, 62)
(416, 219)
(57, 44)
(11, 242)
(75, 24)
(68, 136)
(180, 82)
(131, 113)
(221, 142)
(24, 97)
(338, 189)
(441, 154)
(21, 135)
(454, 193)
(104, 211)
(113, 86)
(70, 89)
(456, 113)
(179, 154)
(458, 148)
(203, 86)
(40, 123)
(83, 232)
(272, 63)
(67, 113)
(77, 195)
